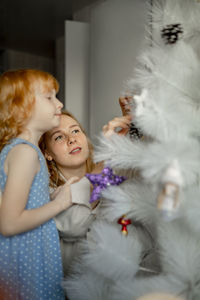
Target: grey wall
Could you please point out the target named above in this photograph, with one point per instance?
(77, 43)
(116, 36)
(13, 59)
(60, 66)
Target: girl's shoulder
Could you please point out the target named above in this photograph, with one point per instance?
(20, 145)
(24, 153)
(23, 149)
(20, 153)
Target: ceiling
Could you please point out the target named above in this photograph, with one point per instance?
(33, 25)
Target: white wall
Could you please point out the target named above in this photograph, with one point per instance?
(117, 36)
(60, 67)
(77, 70)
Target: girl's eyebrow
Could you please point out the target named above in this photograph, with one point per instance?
(54, 133)
(60, 130)
(75, 125)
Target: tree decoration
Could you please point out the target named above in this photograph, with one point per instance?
(135, 132)
(172, 33)
(161, 251)
(124, 222)
(168, 200)
(103, 180)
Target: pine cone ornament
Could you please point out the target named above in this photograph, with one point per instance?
(172, 33)
(135, 132)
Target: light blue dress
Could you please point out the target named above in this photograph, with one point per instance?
(30, 263)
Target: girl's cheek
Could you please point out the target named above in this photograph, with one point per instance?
(61, 147)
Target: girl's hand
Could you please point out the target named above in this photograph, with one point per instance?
(124, 103)
(119, 125)
(62, 195)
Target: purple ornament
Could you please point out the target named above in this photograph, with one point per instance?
(103, 180)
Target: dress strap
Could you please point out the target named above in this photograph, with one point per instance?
(8, 147)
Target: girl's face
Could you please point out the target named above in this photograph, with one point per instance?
(47, 111)
(66, 144)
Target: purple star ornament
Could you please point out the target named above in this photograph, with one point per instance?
(102, 180)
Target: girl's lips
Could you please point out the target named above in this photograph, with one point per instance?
(76, 150)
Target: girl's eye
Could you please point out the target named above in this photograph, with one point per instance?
(58, 138)
(76, 131)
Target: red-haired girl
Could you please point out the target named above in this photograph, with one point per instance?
(30, 259)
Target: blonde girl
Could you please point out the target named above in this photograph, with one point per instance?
(68, 152)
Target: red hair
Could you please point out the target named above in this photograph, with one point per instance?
(17, 99)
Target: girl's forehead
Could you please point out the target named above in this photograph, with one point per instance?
(66, 125)
(43, 87)
(67, 121)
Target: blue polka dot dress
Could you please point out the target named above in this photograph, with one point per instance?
(30, 263)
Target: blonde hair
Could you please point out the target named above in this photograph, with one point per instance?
(55, 178)
(17, 99)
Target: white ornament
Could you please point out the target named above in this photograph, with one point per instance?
(168, 200)
(140, 101)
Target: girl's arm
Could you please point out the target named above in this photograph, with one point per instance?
(21, 166)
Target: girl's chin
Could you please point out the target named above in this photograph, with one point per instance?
(77, 164)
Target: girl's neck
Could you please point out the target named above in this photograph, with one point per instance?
(29, 136)
(77, 171)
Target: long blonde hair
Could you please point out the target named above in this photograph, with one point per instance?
(55, 177)
(17, 99)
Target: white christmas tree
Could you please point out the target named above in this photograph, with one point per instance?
(161, 251)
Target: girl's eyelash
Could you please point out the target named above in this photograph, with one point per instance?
(58, 137)
(76, 130)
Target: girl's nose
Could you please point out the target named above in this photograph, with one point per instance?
(71, 140)
(59, 104)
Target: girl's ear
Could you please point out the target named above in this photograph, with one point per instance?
(48, 156)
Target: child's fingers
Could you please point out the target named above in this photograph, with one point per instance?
(123, 131)
(125, 120)
(125, 100)
(64, 187)
(55, 193)
(72, 180)
(118, 122)
(124, 103)
(118, 125)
